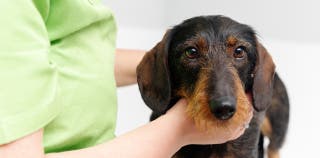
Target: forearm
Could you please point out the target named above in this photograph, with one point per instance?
(160, 138)
(157, 140)
(126, 61)
(27, 147)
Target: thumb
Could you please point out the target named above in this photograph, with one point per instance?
(179, 106)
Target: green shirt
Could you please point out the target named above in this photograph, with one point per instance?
(56, 72)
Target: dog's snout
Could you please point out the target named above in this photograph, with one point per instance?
(223, 108)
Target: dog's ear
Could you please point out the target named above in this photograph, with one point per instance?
(153, 76)
(263, 79)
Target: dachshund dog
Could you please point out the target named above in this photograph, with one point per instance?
(227, 76)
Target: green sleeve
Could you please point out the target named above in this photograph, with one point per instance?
(29, 81)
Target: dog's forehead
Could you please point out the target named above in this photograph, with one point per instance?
(212, 28)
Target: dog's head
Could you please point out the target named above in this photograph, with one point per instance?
(214, 62)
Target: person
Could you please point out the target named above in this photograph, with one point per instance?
(58, 87)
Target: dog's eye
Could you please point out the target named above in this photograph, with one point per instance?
(191, 53)
(239, 52)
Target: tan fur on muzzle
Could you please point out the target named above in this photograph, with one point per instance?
(198, 106)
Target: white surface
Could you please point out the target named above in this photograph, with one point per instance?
(289, 30)
(293, 20)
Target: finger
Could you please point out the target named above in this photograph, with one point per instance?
(181, 103)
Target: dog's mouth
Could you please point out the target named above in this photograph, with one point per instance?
(249, 96)
(250, 99)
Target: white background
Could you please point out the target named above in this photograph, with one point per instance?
(290, 29)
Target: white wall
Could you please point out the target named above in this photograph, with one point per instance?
(139, 13)
(289, 29)
(292, 20)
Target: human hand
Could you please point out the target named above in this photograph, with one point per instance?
(189, 133)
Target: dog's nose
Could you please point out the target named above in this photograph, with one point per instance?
(223, 108)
